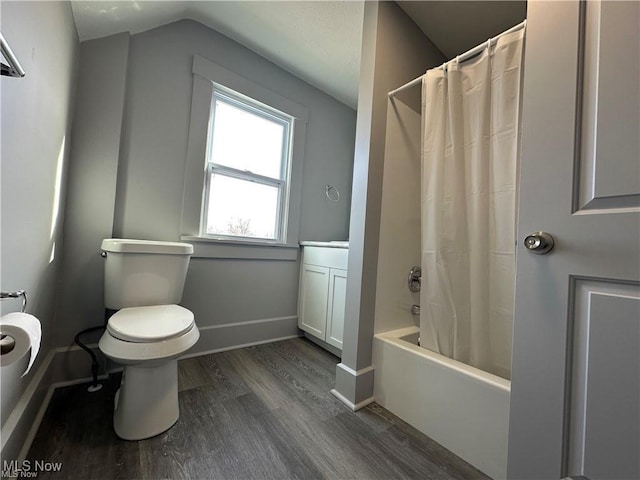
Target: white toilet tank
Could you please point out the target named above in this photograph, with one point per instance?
(144, 272)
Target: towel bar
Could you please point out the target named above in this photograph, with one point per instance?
(14, 69)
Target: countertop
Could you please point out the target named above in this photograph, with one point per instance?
(332, 244)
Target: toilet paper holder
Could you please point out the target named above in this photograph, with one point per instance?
(16, 294)
(7, 343)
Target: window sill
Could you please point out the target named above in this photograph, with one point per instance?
(207, 247)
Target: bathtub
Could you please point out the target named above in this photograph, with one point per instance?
(462, 408)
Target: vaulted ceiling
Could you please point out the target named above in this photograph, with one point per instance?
(318, 41)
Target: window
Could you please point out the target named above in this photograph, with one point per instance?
(248, 152)
(243, 171)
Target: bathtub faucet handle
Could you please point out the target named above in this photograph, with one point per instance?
(415, 278)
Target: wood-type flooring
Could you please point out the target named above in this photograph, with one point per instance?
(262, 412)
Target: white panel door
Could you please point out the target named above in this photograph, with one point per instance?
(314, 290)
(337, 303)
(575, 397)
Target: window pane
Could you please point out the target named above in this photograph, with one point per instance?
(246, 141)
(241, 208)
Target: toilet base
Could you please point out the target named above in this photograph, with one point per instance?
(147, 402)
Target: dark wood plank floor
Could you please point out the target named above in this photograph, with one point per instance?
(261, 412)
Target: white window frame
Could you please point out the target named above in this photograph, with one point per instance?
(208, 75)
(282, 184)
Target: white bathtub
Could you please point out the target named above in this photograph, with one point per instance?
(462, 408)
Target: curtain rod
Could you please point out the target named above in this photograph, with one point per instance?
(465, 56)
(14, 69)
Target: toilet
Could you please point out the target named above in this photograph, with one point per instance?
(143, 281)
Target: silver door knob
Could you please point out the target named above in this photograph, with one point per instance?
(539, 242)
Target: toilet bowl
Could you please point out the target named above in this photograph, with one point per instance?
(147, 341)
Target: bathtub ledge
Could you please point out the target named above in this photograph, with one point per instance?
(395, 337)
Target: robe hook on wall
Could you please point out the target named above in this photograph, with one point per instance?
(332, 193)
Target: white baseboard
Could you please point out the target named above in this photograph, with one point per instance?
(354, 388)
(229, 336)
(353, 406)
(234, 347)
(72, 364)
(19, 427)
(31, 435)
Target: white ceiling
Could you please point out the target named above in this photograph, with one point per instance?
(318, 41)
(457, 26)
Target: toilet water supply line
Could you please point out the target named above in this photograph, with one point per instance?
(95, 386)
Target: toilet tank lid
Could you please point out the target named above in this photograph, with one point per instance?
(127, 245)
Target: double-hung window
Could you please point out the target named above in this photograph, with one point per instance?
(248, 169)
(243, 171)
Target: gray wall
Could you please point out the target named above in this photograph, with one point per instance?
(36, 120)
(236, 301)
(394, 51)
(91, 187)
(155, 132)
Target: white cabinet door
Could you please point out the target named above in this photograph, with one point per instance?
(575, 386)
(336, 305)
(314, 290)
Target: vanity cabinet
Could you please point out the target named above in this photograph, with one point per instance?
(321, 300)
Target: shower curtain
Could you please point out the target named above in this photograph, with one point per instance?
(469, 194)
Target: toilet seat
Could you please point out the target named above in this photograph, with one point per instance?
(148, 353)
(150, 324)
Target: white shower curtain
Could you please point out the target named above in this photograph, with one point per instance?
(469, 194)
